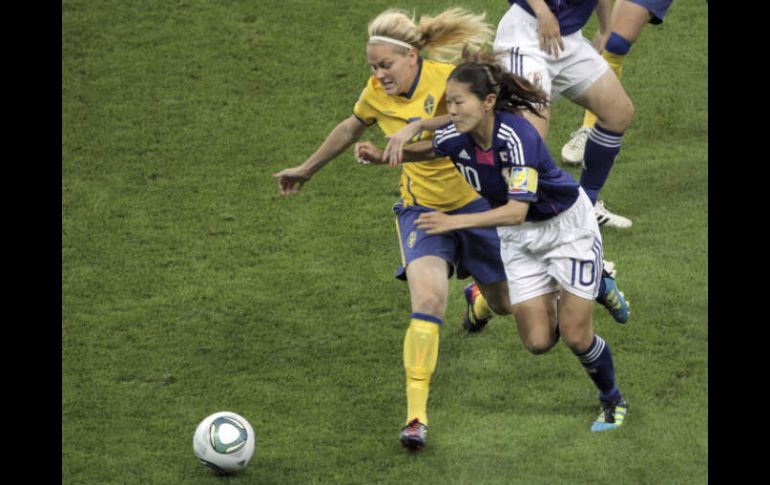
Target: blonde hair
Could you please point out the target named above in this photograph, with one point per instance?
(442, 37)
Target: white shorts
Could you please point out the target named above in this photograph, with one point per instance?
(562, 252)
(518, 47)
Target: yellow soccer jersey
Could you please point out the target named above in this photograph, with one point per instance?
(436, 184)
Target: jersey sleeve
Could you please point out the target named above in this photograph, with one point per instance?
(363, 109)
(520, 170)
(441, 139)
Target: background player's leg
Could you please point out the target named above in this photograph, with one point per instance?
(607, 98)
(628, 20)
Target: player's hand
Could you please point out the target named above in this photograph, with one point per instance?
(366, 153)
(394, 151)
(291, 180)
(549, 33)
(435, 222)
(600, 40)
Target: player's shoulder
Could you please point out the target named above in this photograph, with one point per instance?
(436, 73)
(517, 127)
(373, 91)
(438, 66)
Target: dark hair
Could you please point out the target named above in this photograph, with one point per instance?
(486, 76)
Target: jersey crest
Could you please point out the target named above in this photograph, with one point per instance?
(412, 239)
(430, 103)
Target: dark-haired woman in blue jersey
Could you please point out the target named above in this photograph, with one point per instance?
(550, 240)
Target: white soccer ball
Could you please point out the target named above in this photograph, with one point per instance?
(224, 442)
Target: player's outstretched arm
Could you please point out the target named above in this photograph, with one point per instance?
(510, 214)
(420, 151)
(291, 180)
(394, 151)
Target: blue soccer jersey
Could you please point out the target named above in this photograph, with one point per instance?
(571, 14)
(517, 166)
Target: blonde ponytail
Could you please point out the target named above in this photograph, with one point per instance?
(445, 35)
(442, 37)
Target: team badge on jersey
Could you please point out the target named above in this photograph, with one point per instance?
(522, 180)
(430, 103)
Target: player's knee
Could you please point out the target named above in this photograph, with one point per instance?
(500, 307)
(618, 116)
(432, 304)
(539, 345)
(626, 114)
(577, 343)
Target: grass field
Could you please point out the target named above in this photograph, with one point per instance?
(190, 286)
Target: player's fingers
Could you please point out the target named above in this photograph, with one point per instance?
(388, 152)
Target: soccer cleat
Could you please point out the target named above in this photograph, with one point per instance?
(611, 416)
(470, 322)
(614, 300)
(605, 217)
(572, 151)
(413, 435)
(609, 268)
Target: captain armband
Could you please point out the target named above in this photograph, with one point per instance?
(522, 181)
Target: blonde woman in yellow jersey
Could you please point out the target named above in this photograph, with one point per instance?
(405, 94)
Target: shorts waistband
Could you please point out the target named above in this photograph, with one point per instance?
(562, 215)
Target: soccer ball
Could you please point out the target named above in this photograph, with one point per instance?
(224, 442)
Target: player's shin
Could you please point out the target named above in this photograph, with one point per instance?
(601, 149)
(420, 356)
(597, 361)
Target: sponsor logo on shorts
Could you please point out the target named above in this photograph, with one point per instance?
(411, 239)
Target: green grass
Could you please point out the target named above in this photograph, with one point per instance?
(190, 286)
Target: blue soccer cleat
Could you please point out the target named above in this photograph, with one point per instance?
(470, 322)
(611, 416)
(614, 300)
(413, 435)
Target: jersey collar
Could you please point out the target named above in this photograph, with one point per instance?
(410, 93)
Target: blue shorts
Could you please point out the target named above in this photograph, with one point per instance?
(658, 8)
(474, 252)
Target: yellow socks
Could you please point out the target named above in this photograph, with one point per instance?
(420, 355)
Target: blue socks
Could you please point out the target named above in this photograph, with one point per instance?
(597, 361)
(602, 147)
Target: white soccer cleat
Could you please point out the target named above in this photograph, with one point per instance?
(572, 151)
(607, 218)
